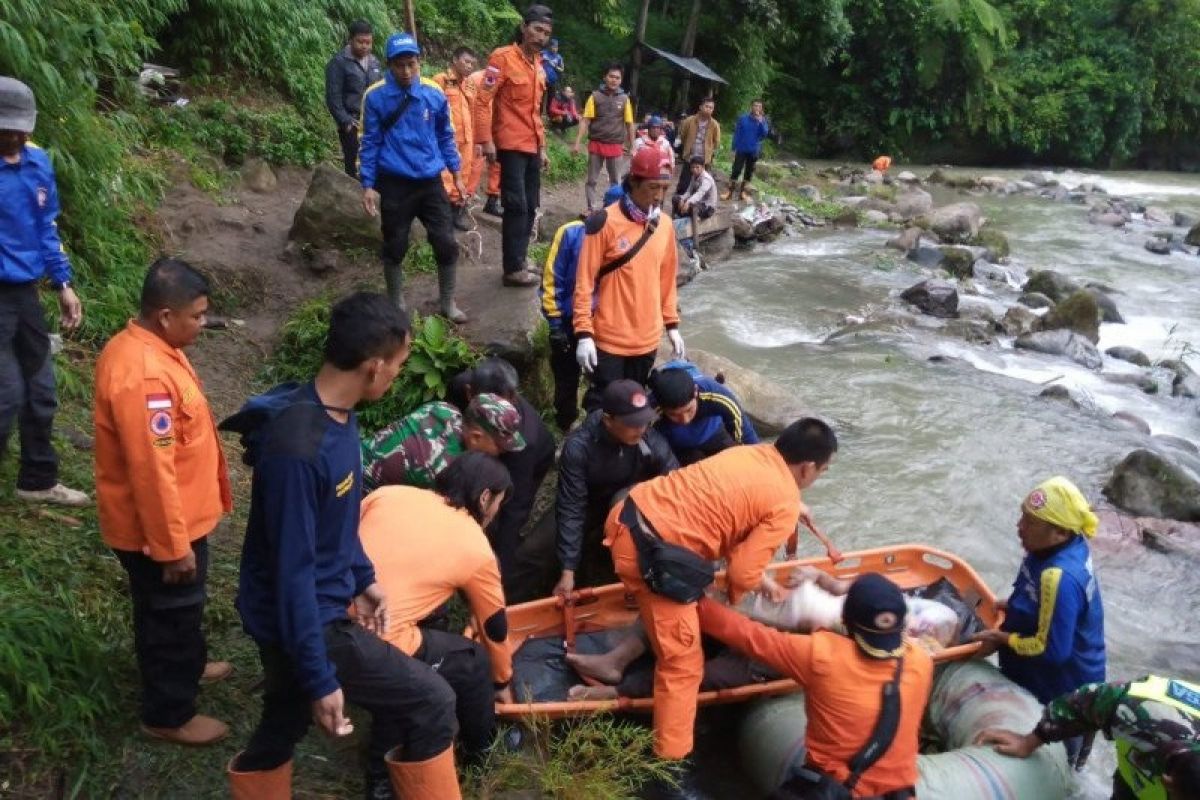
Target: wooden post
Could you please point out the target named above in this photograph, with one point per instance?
(410, 18)
(686, 49)
(639, 39)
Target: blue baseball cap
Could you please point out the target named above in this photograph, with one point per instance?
(401, 44)
(655, 121)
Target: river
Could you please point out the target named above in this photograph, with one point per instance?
(943, 452)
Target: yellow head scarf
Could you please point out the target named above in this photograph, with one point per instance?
(1060, 503)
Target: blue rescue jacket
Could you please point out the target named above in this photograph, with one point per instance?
(716, 408)
(557, 290)
(29, 245)
(749, 133)
(1058, 618)
(419, 145)
(302, 561)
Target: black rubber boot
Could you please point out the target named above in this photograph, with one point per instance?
(492, 206)
(681, 787)
(461, 220)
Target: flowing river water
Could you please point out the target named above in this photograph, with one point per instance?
(942, 452)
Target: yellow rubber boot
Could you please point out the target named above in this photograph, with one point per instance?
(434, 779)
(268, 784)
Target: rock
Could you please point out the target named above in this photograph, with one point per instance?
(1178, 443)
(846, 219)
(1057, 391)
(717, 248)
(322, 261)
(958, 261)
(809, 192)
(769, 229)
(1038, 179)
(907, 177)
(976, 331)
(1062, 342)
(331, 214)
(1193, 236)
(906, 240)
(1160, 247)
(1157, 215)
(933, 297)
(1079, 313)
(1133, 421)
(913, 202)
(928, 257)
(955, 223)
(1186, 382)
(873, 178)
(257, 176)
(1108, 307)
(1147, 484)
(994, 242)
(771, 406)
(688, 268)
(743, 231)
(1052, 284)
(1056, 193)
(992, 183)
(984, 270)
(1109, 219)
(552, 218)
(1130, 354)
(1018, 321)
(1035, 300)
(1182, 219)
(873, 217)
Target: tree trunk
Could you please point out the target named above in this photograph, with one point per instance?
(686, 49)
(639, 39)
(410, 17)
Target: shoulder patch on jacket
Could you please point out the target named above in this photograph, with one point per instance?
(596, 221)
(432, 84)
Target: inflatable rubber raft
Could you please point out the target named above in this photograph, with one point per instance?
(966, 698)
(542, 631)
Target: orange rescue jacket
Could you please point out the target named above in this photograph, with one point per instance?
(842, 694)
(740, 504)
(460, 94)
(424, 551)
(627, 314)
(161, 478)
(509, 109)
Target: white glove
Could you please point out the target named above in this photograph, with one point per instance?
(676, 339)
(585, 354)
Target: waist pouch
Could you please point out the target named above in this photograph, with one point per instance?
(668, 569)
(809, 783)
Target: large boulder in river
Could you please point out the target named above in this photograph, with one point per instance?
(955, 223)
(933, 297)
(1193, 236)
(1157, 215)
(1108, 307)
(913, 202)
(958, 261)
(906, 240)
(994, 243)
(1160, 247)
(1079, 313)
(1130, 354)
(332, 215)
(1147, 484)
(1186, 382)
(771, 407)
(1053, 284)
(1019, 320)
(1035, 300)
(1062, 343)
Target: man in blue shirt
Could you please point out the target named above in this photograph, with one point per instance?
(699, 416)
(30, 251)
(557, 293)
(303, 566)
(407, 141)
(554, 67)
(748, 135)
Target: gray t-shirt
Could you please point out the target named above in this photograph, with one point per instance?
(698, 145)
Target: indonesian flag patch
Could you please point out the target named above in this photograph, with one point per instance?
(157, 401)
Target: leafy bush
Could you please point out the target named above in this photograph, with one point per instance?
(438, 354)
(235, 132)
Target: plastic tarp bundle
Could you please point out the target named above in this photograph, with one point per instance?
(967, 697)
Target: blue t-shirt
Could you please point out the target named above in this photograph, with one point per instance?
(1056, 611)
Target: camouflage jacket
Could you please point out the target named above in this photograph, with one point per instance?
(1142, 724)
(414, 449)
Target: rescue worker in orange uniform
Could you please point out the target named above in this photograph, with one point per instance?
(442, 532)
(625, 285)
(510, 123)
(740, 505)
(161, 488)
(882, 164)
(460, 93)
(843, 678)
(475, 165)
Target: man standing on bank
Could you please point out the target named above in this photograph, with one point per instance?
(30, 250)
(510, 122)
(162, 487)
(607, 122)
(347, 76)
(460, 89)
(699, 137)
(752, 127)
(407, 141)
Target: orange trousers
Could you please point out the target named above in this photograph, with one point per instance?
(674, 633)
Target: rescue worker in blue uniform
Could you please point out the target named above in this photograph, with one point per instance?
(698, 415)
(1052, 639)
(557, 293)
(407, 140)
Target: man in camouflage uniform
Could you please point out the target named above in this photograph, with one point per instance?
(415, 448)
(1155, 722)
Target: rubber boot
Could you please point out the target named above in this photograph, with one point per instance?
(492, 206)
(393, 276)
(745, 192)
(461, 221)
(446, 281)
(267, 784)
(434, 779)
(681, 787)
(728, 193)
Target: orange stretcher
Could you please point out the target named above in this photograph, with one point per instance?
(607, 607)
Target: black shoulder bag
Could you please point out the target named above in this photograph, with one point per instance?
(628, 255)
(668, 569)
(809, 783)
(391, 119)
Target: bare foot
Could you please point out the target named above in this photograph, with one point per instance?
(601, 668)
(581, 692)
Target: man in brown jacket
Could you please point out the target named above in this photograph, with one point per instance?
(699, 135)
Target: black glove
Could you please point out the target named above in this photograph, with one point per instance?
(560, 341)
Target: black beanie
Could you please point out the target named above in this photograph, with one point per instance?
(538, 13)
(673, 387)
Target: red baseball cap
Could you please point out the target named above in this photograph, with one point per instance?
(650, 163)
